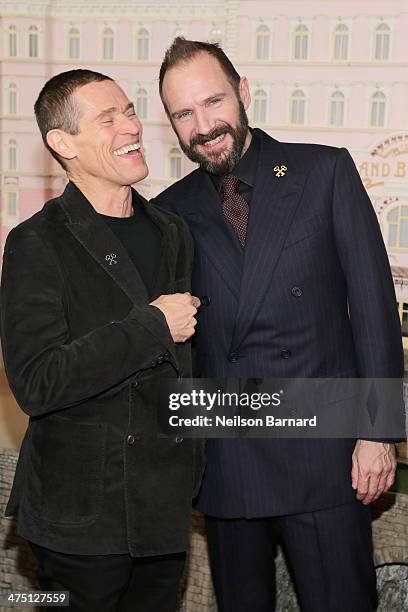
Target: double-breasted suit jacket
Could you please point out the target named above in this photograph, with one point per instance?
(83, 351)
(311, 295)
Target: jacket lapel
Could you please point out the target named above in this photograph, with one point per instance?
(101, 243)
(214, 236)
(272, 209)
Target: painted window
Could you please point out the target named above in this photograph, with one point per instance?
(12, 41)
(377, 110)
(297, 107)
(142, 45)
(33, 41)
(108, 44)
(12, 99)
(260, 104)
(11, 203)
(141, 103)
(382, 40)
(175, 163)
(12, 155)
(397, 220)
(301, 43)
(215, 36)
(74, 44)
(262, 43)
(336, 108)
(341, 42)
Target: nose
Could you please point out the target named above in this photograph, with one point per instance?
(130, 125)
(203, 123)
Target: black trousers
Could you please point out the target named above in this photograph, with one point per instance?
(329, 553)
(112, 583)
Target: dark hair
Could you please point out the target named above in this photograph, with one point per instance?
(56, 108)
(183, 50)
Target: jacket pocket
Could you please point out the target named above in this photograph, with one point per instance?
(66, 470)
(304, 229)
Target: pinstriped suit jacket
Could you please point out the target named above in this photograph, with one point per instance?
(313, 229)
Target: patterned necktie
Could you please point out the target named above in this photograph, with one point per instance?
(235, 207)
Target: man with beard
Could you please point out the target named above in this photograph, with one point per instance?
(287, 244)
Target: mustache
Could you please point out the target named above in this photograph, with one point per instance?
(201, 139)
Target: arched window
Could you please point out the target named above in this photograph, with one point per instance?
(175, 163)
(12, 99)
(33, 41)
(260, 102)
(12, 41)
(377, 111)
(263, 43)
(397, 220)
(215, 36)
(382, 42)
(12, 155)
(108, 44)
(177, 32)
(141, 103)
(297, 107)
(341, 42)
(11, 203)
(142, 45)
(301, 43)
(336, 110)
(74, 44)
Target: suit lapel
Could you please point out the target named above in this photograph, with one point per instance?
(273, 205)
(101, 243)
(214, 235)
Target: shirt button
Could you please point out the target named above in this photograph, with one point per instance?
(179, 439)
(233, 357)
(131, 440)
(285, 354)
(296, 291)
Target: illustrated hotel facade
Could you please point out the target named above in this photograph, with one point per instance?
(328, 71)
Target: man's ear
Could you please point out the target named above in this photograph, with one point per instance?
(60, 142)
(244, 92)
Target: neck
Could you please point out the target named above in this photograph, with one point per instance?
(111, 200)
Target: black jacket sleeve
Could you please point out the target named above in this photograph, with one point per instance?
(46, 369)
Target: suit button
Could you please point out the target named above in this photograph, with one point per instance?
(285, 354)
(179, 439)
(205, 300)
(296, 291)
(233, 357)
(131, 440)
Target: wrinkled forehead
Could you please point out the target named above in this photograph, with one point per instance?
(194, 80)
(97, 96)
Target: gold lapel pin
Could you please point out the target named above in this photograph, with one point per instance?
(280, 170)
(111, 258)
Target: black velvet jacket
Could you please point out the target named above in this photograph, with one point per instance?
(83, 351)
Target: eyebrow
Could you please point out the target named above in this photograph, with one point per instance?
(216, 95)
(114, 109)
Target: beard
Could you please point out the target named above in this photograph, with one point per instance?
(224, 162)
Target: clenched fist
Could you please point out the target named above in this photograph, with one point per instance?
(180, 310)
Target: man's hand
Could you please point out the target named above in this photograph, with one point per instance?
(373, 469)
(179, 310)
